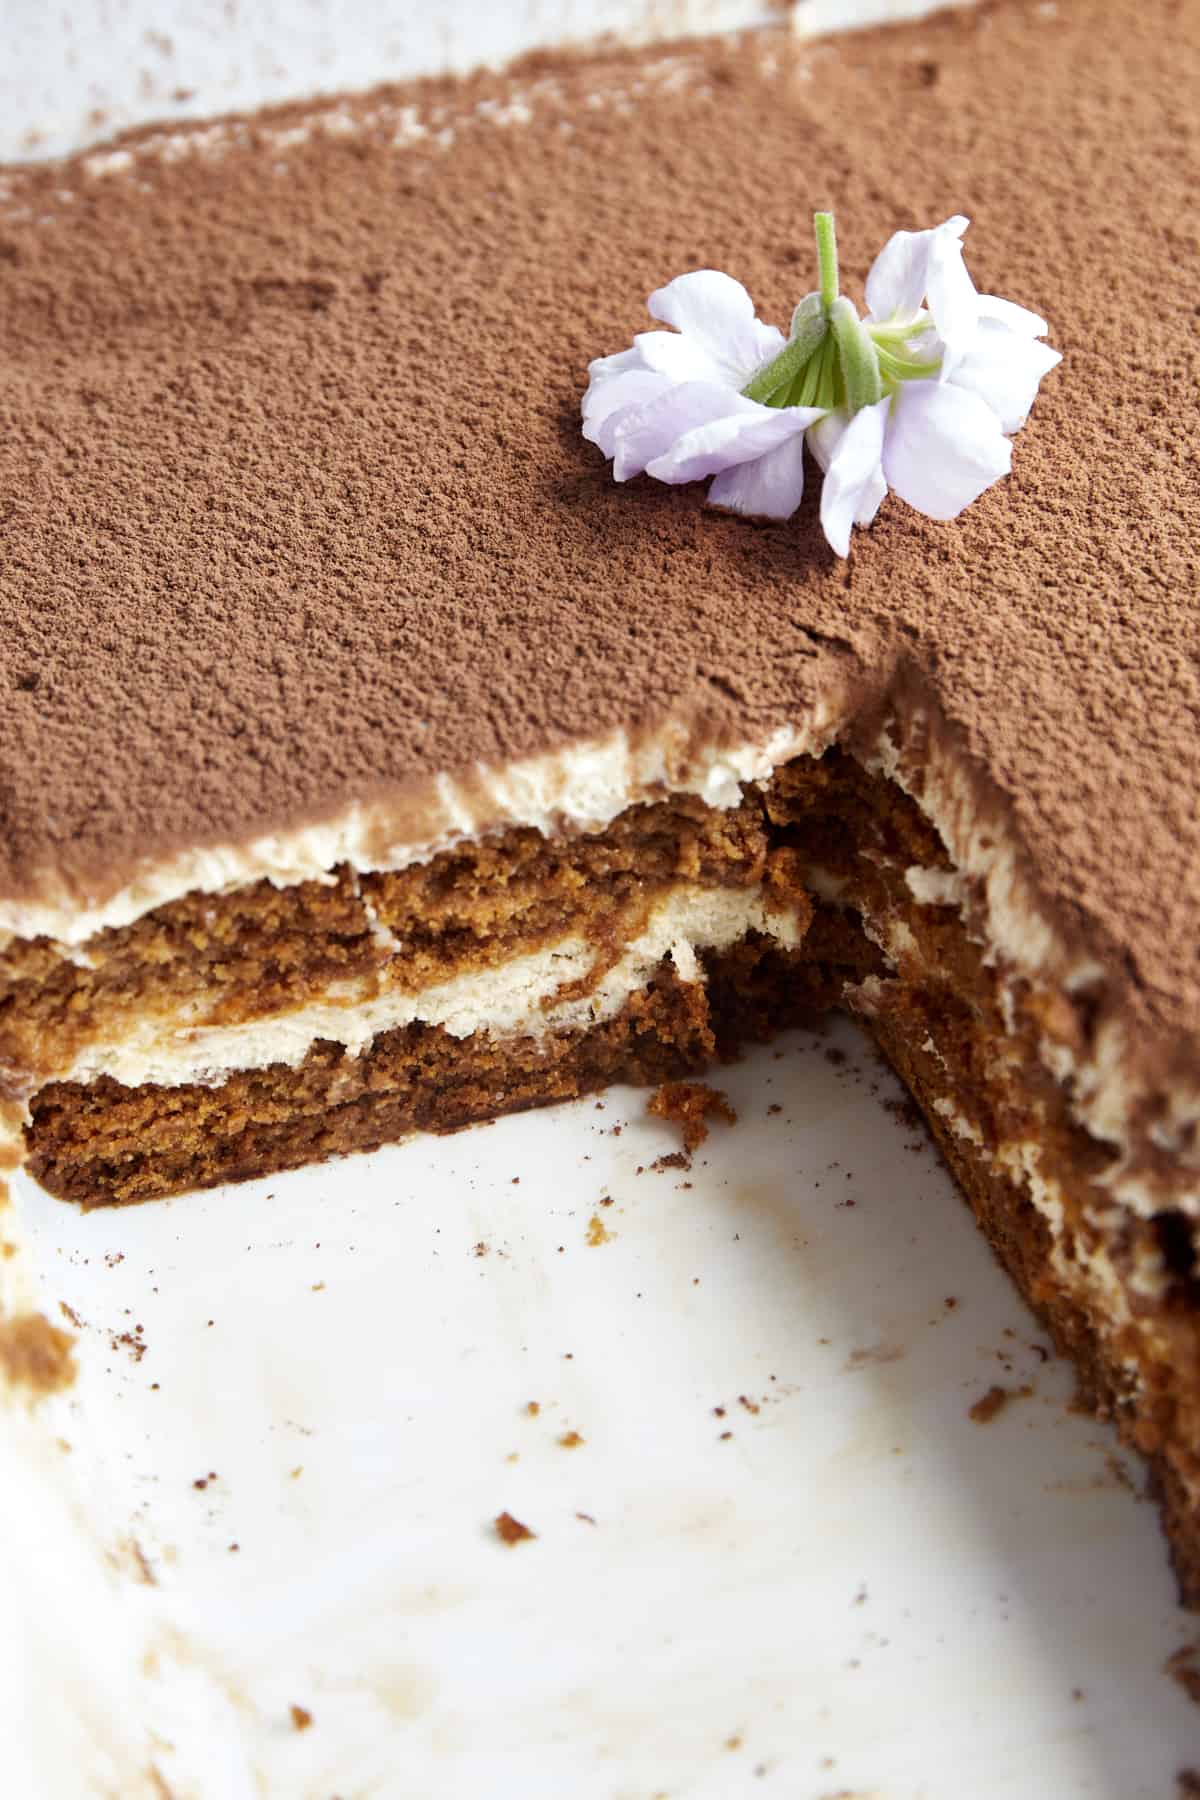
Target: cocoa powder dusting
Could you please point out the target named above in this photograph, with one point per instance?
(297, 510)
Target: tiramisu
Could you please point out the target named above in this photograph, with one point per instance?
(372, 763)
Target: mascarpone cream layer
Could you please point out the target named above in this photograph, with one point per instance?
(529, 996)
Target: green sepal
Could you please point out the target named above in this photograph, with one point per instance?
(857, 356)
(809, 329)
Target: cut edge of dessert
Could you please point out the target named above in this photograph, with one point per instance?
(637, 916)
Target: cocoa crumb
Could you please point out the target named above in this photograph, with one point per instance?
(570, 1440)
(533, 1408)
(596, 1232)
(689, 1104)
(988, 1405)
(509, 1530)
(301, 1717)
(675, 1159)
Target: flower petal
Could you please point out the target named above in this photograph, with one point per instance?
(604, 407)
(716, 314)
(1004, 368)
(747, 430)
(899, 277)
(767, 487)
(943, 446)
(647, 431)
(854, 486)
(1007, 312)
(605, 368)
(682, 358)
(952, 297)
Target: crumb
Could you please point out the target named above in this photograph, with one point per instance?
(689, 1104)
(836, 1057)
(318, 1287)
(734, 1742)
(596, 1233)
(570, 1440)
(297, 1472)
(1189, 1783)
(516, 1181)
(1077, 1694)
(480, 1249)
(586, 1518)
(676, 1159)
(988, 1405)
(509, 1530)
(7, 1250)
(1184, 1666)
(774, 1108)
(131, 1341)
(234, 1547)
(533, 1408)
(301, 1717)
(719, 1411)
(751, 1406)
(71, 1316)
(725, 1435)
(606, 1200)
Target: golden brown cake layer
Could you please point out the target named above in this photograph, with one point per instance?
(262, 950)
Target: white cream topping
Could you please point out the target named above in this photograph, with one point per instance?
(516, 999)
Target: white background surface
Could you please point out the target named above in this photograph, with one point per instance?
(860, 1592)
(71, 74)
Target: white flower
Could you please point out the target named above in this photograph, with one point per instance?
(673, 406)
(920, 396)
(940, 441)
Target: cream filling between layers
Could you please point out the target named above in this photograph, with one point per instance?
(528, 996)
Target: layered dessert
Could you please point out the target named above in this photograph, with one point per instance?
(373, 763)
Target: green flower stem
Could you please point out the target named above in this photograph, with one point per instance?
(827, 262)
(857, 355)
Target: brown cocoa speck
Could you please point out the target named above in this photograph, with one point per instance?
(510, 1531)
